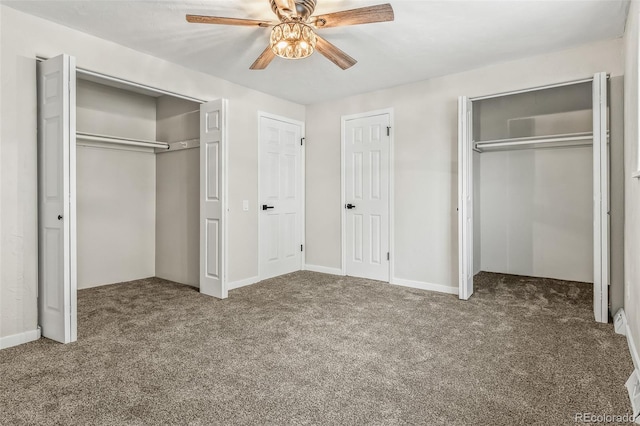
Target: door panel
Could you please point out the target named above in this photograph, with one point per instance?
(367, 165)
(465, 198)
(56, 205)
(281, 191)
(212, 186)
(601, 200)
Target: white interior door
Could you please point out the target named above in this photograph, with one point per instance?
(465, 198)
(600, 199)
(212, 198)
(280, 209)
(56, 199)
(367, 165)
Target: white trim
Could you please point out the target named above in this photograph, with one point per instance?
(303, 186)
(224, 143)
(19, 339)
(242, 283)
(323, 269)
(343, 217)
(633, 349)
(620, 320)
(635, 175)
(440, 288)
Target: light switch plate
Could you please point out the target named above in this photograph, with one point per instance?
(245, 205)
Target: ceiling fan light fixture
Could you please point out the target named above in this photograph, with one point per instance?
(292, 40)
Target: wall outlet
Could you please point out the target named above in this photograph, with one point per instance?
(245, 205)
(620, 322)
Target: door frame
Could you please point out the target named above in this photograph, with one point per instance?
(303, 185)
(343, 215)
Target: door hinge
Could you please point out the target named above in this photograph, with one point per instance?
(301, 247)
(301, 141)
(388, 130)
(388, 256)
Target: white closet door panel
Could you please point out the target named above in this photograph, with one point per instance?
(600, 200)
(56, 146)
(465, 198)
(212, 185)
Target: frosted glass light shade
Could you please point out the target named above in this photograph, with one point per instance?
(292, 40)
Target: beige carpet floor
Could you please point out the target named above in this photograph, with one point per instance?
(308, 348)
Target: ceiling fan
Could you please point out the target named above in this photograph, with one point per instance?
(294, 36)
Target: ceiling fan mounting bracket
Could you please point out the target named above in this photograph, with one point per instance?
(302, 12)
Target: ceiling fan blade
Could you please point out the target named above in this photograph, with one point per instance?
(263, 60)
(334, 54)
(202, 19)
(363, 15)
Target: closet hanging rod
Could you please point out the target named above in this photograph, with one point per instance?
(129, 83)
(533, 89)
(120, 141)
(537, 139)
(501, 143)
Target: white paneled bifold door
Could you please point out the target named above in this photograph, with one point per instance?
(601, 214)
(465, 198)
(280, 187)
(56, 187)
(212, 195)
(367, 200)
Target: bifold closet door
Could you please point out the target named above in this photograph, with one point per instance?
(56, 199)
(465, 198)
(600, 200)
(212, 196)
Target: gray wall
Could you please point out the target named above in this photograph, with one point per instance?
(177, 193)
(115, 188)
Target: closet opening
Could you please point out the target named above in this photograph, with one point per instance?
(534, 195)
(137, 197)
(132, 186)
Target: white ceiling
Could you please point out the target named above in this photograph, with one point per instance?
(427, 38)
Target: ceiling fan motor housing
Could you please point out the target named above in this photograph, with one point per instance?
(304, 9)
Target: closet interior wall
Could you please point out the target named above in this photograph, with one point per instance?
(178, 193)
(535, 206)
(115, 186)
(137, 207)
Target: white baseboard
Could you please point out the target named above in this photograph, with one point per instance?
(633, 384)
(19, 339)
(242, 283)
(424, 286)
(323, 269)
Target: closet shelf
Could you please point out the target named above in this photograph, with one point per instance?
(551, 141)
(93, 137)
